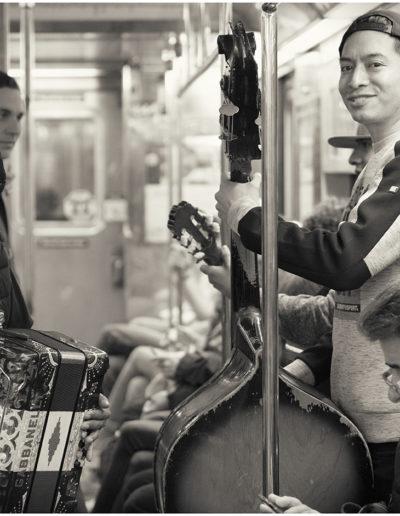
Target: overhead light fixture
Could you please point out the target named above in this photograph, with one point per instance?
(60, 72)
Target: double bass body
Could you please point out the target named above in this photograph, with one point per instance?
(209, 455)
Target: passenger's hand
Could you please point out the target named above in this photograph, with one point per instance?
(191, 247)
(158, 383)
(188, 336)
(288, 504)
(219, 275)
(212, 223)
(178, 259)
(168, 366)
(158, 401)
(93, 421)
(233, 197)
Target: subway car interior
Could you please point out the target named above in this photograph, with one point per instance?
(107, 82)
(122, 121)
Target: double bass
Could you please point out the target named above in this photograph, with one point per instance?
(209, 453)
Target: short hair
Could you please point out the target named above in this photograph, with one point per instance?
(381, 318)
(6, 81)
(384, 21)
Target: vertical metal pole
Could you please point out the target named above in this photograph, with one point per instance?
(202, 36)
(4, 61)
(225, 15)
(179, 169)
(4, 28)
(175, 284)
(205, 30)
(171, 197)
(126, 89)
(189, 41)
(269, 250)
(27, 55)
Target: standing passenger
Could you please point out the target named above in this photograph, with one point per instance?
(362, 258)
(12, 302)
(380, 321)
(12, 111)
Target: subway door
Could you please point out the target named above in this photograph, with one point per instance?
(77, 263)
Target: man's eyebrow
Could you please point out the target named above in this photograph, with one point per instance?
(368, 56)
(376, 54)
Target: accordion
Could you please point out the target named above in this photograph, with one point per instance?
(47, 381)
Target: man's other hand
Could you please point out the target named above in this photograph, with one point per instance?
(287, 504)
(219, 275)
(94, 420)
(234, 200)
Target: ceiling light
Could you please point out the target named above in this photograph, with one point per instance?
(60, 72)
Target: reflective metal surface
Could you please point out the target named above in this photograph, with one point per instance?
(269, 249)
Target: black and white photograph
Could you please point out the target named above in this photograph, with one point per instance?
(199, 257)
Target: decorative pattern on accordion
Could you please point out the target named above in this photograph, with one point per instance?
(34, 434)
(97, 364)
(26, 380)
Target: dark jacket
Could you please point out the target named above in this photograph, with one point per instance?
(12, 303)
(335, 259)
(394, 505)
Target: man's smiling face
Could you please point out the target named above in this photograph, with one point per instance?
(370, 78)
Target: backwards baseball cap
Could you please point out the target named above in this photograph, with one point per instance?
(381, 21)
(349, 142)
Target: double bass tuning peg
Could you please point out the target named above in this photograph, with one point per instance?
(258, 122)
(228, 109)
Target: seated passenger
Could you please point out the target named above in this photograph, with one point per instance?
(149, 370)
(119, 339)
(168, 389)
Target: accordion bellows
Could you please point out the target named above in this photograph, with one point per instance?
(47, 381)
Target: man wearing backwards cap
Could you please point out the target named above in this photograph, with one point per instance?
(363, 257)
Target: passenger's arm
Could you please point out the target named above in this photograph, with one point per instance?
(313, 365)
(287, 504)
(304, 319)
(182, 263)
(343, 259)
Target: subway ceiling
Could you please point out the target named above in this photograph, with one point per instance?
(109, 34)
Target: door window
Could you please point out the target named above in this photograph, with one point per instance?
(65, 171)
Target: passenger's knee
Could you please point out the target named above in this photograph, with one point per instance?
(105, 336)
(127, 428)
(141, 500)
(141, 460)
(141, 353)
